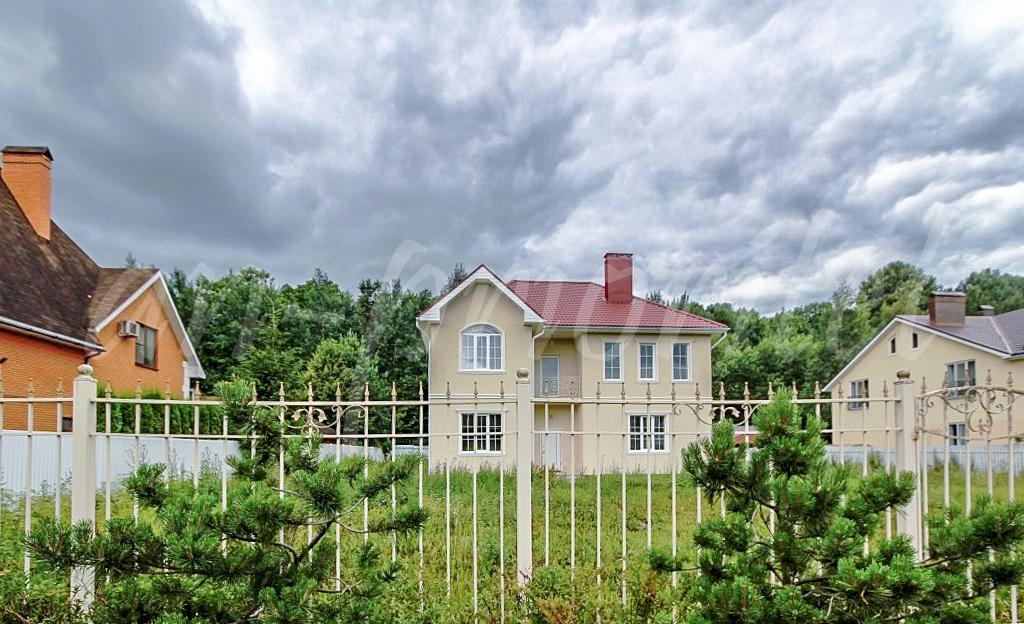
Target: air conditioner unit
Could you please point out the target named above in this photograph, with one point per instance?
(128, 328)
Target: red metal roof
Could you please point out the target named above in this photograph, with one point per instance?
(582, 304)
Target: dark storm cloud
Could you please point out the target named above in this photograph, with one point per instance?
(755, 151)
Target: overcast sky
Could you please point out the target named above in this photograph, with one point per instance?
(758, 152)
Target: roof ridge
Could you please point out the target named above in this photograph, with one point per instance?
(1010, 348)
(533, 281)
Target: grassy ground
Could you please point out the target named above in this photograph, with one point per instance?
(448, 555)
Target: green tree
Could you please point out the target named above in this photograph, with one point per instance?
(454, 278)
(791, 545)
(897, 288)
(187, 560)
(314, 311)
(344, 364)
(1003, 291)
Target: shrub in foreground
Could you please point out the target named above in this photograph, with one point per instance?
(791, 547)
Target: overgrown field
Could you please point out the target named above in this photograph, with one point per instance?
(448, 561)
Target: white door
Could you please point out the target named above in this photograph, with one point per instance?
(551, 450)
(549, 375)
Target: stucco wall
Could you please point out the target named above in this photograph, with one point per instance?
(601, 428)
(927, 362)
(480, 303)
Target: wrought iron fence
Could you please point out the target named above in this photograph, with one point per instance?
(514, 481)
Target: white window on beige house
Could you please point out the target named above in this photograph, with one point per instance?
(481, 433)
(647, 433)
(648, 355)
(681, 361)
(957, 434)
(481, 349)
(960, 374)
(858, 390)
(613, 361)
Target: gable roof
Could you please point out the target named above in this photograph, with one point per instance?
(54, 289)
(114, 289)
(480, 274)
(1001, 335)
(583, 304)
(43, 285)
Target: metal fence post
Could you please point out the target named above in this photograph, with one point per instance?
(83, 471)
(908, 518)
(524, 476)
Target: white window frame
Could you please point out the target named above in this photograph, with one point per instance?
(490, 436)
(915, 341)
(604, 361)
(864, 393)
(969, 367)
(892, 345)
(142, 344)
(957, 433)
(642, 438)
(488, 337)
(654, 362)
(689, 360)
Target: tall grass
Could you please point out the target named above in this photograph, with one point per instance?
(449, 557)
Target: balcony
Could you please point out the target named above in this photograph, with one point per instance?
(559, 387)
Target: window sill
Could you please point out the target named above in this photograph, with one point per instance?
(682, 381)
(481, 453)
(665, 452)
(147, 366)
(481, 371)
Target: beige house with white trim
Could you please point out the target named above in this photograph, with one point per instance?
(578, 341)
(943, 347)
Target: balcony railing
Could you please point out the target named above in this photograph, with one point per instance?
(559, 387)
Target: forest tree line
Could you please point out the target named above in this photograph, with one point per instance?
(245, 325)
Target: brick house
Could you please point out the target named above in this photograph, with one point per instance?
(58, 308)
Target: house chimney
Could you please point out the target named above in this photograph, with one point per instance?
(618, 277)
(26, 171)
(947, 309)
(987, 310)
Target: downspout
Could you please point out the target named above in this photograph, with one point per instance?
(426, 345)
(724, 334)
(533, 356)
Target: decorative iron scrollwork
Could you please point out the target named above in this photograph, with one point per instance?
(314, 418)
(978, 405)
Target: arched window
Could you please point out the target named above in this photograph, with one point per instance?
(481, 349)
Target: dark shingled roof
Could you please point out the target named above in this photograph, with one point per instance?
(54, 285)
(1003, 333)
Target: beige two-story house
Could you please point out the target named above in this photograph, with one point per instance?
(944, 347)
(605, 365)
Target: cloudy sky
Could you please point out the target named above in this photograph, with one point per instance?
(758, 152)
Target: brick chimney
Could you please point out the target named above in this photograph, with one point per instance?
(26, 171)
(947, 309)
(618, 277)
(986, 310)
